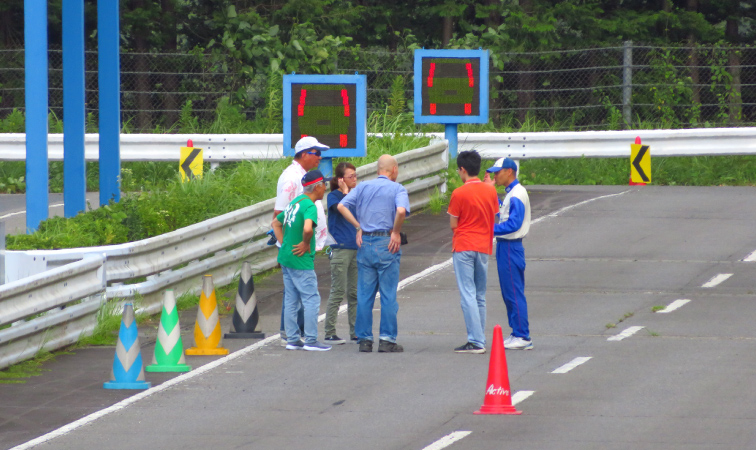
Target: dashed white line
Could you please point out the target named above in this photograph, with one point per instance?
(718, 279)
(627, 333)
(751, 257)
(673, 306)
(447, 440)
(520, 396)
(572, 364)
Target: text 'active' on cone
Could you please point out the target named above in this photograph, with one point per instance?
(127, 371)
(246, 315)
(207, 329)
(169, 348)
(498, 399)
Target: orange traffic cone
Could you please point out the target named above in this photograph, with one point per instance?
(207, 330)
(498, 399)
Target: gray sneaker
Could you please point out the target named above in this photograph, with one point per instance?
(317, 347)
(298, 345)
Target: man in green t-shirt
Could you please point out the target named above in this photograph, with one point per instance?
(294, 229)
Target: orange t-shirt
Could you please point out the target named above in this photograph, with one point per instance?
(475, 204)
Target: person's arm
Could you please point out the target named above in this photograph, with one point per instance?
(277, 229)
(350, 218)
(516, 217)
(304, 246)
(396, 240)
(453, 222)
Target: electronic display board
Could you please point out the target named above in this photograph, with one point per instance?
(332, 108)
(451, 86)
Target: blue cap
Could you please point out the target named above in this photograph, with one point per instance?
(313, 176)
(503, 163)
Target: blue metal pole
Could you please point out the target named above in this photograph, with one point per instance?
(109, 78)
(35, 89)
(326, 166)
(74, 174)
(450, 133)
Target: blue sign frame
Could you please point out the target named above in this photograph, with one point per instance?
(481, 56)
(360, 83)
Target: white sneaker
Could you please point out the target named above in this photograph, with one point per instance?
(508, 339)
(518, 343)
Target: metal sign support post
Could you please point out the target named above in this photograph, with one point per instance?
(74, 173)
(109, 79)
(450, 133)
(36, 87)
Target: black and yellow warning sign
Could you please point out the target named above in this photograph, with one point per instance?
(640, 163)
(190, 163)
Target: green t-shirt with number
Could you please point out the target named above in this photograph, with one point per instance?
(293, 219)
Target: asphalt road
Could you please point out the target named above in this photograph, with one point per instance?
(13, 209)
(600, 259)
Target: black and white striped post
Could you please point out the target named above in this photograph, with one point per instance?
(245, 311)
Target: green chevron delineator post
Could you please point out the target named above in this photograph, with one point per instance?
(127, 372)
(246, 315)
(169, 349)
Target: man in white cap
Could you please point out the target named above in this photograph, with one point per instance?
(307, 153)
(513, 225)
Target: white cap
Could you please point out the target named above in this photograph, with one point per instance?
(307, 143)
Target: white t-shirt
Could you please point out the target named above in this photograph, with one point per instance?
(290, 187)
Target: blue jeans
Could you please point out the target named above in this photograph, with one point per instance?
(300, 316)
(471, 270)
(378, 271)
(301, 291)
(510, 262)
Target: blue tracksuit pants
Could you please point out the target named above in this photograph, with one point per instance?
(510, 263)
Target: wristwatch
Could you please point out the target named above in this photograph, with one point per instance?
(358, 229)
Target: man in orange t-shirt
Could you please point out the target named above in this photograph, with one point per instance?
(472, 210)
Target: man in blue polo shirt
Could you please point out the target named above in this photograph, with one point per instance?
(381, 206)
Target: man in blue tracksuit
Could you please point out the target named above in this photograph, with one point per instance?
(512, 226)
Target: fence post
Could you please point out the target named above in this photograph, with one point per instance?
(627, 82)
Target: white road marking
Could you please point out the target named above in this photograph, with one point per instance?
(516, 398)
(448, 440)
(572, 364)
(716, 280)
(627, 333)
(520, 396)
(18, 213)
(751, 257)
(673, 306)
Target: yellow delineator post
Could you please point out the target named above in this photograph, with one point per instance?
(640, 163)
(190, 162)
(207, 329)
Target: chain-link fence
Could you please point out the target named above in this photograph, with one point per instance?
(601, 88)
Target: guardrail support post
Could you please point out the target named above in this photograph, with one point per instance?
(109, 88)
(2, 253)
(627, 83)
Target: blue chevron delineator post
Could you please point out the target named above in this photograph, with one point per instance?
(128, 370)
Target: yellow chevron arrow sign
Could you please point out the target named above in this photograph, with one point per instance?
(640, 163)
(190, 163)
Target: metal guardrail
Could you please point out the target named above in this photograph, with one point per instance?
(50, 310)
(177, 259)
(237, 147)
